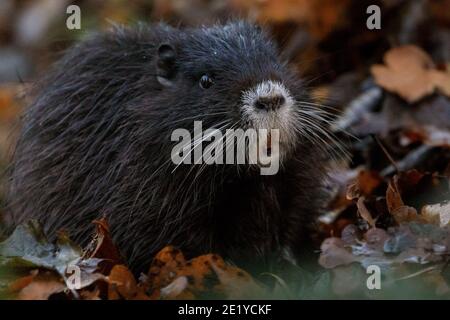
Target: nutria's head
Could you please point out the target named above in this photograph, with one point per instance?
(232, 77)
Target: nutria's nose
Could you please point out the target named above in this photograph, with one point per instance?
(270, 103)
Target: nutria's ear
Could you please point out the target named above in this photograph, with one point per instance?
(165, 64)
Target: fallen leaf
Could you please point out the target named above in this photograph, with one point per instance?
(334, 254)
(90, 294)
(405, 214)
(236, 283)
(42, 287)
(207, 275)
(410, 72)
(441, 81)
(366, 182)
(401, 240)
(398, 184)
(21, 283)
(102, 247)
(123, 285)
(175, 288)
(165, 266)
(28, 246)
(350, 234)
(393, 196)
(375, 238)
(364, 212)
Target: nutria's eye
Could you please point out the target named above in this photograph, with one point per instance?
(206, 81)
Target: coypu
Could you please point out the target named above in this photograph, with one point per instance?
(96, 142)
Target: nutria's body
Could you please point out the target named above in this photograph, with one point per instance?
(96, 142)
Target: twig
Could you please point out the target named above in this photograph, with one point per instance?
(418, 273)
(386, 153)
(410, 161)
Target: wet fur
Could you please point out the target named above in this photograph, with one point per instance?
(96, 142)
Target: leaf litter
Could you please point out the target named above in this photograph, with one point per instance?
(390, 203)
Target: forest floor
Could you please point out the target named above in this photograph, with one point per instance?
(389, 92)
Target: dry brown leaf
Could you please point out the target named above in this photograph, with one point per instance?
(41, 290)
(42, 287)
(393, 193)
(165, 267)
(353, 192)
(364, 212)
(172, 277)
(405, 214)
(123, 285)
(401, 182)
(393, 196)
(21, 283)
(441, 81)
(102, 247)
(235, 283)
(366, 182)
(409, 72)
(90, 295)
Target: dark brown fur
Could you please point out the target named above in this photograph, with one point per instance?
(96, 139)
